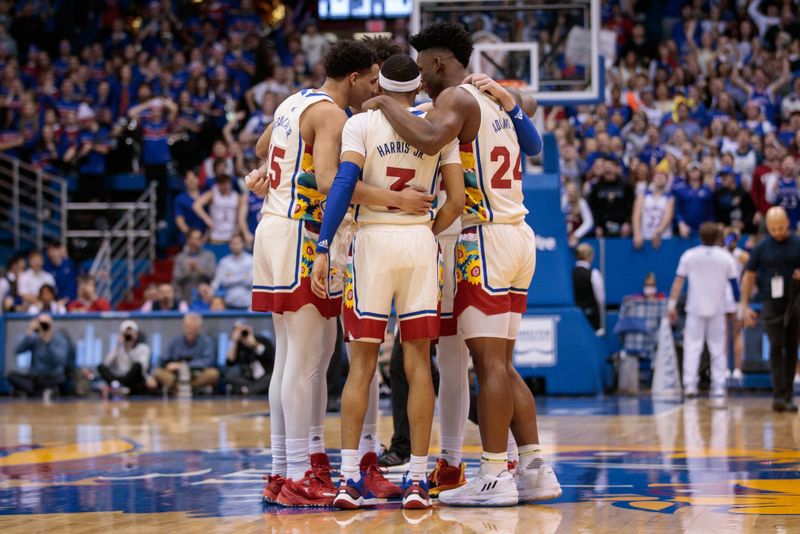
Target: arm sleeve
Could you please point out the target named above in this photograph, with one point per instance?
(337, 203)
(529, 139)
(586, 217)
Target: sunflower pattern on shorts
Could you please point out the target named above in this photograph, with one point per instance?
(468, 261)
(475, 203)
(309, 247)
(349, 292)
(308, 201)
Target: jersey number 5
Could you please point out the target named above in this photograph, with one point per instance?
(274, 173)
(403, 177)
(499, 181)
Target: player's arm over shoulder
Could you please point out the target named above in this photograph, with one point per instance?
(325, 120)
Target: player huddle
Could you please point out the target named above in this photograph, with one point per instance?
(419, 210)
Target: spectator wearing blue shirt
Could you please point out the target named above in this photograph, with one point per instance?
(651, 152)
(785, 192)
(196, 350)
(63, 270)
(185, 217)
(49, 356)
(694, 203)
(89, 154)
(205, 296)
(684, 122)
(155, 144)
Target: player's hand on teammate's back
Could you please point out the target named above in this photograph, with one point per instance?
(319, 276)
(489, 86)
(415, 201)
(373, 103)
(257, 181)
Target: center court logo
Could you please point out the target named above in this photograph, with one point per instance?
(116, 476)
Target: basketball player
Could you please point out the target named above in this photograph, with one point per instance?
(495, 256)
(302, 147)
(394, 258)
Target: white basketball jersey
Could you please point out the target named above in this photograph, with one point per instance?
(223, 213)
(293, 186)
(391, 163)
(492, 167)
(653, 210)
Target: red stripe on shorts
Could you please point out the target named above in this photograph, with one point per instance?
(419, 328)
(448, 326)
(281, 302)
(519, 302)
(363, 327)
(468, 294)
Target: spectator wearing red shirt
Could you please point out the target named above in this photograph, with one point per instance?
(87, 300)
(763, 174)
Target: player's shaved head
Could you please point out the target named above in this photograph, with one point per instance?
(400, 68)
(777, 223)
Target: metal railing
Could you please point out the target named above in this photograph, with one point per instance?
(128, 249)
(33, 204)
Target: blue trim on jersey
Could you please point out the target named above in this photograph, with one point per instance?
(417, 112)
(359, 313)
(446, 315)
(296, 263)
(298, 158)
(477, 152)
(414, 314)
(432, 212)
(484, 274)
(348, 112)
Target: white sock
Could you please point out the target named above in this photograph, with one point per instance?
(530, 456)
(316, 439)
(278, 446)
(369, 439)
(512, 448)
(297, 458)
(349, 468)
(493, 463)
(418, 467)
(451, 450)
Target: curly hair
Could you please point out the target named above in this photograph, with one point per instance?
(447, 36)
(346, 57)
(400, 68)
(383, 47)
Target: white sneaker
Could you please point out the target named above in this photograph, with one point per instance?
(738, 376)
(537, 484)
(483, 490)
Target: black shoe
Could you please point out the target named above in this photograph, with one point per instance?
(391, 458)
(781, 406)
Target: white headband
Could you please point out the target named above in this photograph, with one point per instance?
(399, 87)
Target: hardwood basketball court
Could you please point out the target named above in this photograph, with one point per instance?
(626, 464)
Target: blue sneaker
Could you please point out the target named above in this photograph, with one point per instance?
(352, 495)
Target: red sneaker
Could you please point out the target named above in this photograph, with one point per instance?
(272, 488)
(416, 497)
(321, 465)
(374, 481)
(446, 477)
(309, 491)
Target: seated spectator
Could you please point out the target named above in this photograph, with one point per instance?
(653, 212)
(47, 302)
(694, 204)
(32, 280)
(195, 349)
(234, 276)
(577, 213)
(127, 364)
(205, 296)
(217, 304)
(193, 266)
(250, 360)
(87, 300)
(185, 217)
(733, 206)
(165, 301)
(63, 270)
(9, 295)
(785, 192)
(223, 203)
(49, 356)
(611, 201)
(149, 296)
(588, 285)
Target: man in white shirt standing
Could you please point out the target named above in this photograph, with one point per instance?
(709, 269)
(32, 279)
(234, 275)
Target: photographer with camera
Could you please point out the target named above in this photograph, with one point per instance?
(250, 360)
(127, 364)
(194, 349)
(49, 354)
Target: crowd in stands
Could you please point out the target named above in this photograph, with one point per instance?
(700, 123)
